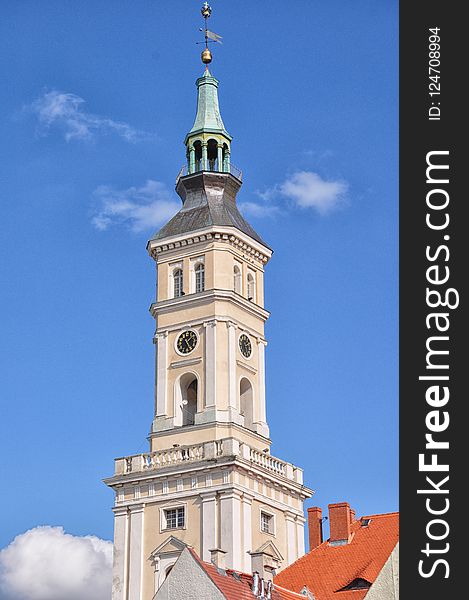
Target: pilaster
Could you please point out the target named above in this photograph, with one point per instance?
(119, 568)
(209, 524)
(136, 552)
(300, 536)
(247, 531)
(232, 395)
(230, 528)
(210, 363)
(261, 344)
(161, 373)
(291, 537)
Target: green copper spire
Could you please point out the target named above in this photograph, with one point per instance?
(208, 142)
(208, 118)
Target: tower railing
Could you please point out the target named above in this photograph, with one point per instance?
(233, 170)
(268, 462)
(179, 455)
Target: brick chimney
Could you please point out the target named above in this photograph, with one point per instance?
(340, 520)
(314, 527)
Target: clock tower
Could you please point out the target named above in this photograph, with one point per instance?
(208, 479)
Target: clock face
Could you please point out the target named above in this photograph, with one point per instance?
(245, 345)
(187, 341)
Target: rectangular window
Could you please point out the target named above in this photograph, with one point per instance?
(267, 523)
(174, 518)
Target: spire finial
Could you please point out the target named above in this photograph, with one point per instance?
(206, 55)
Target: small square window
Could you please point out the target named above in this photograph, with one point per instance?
(267, 523)
(174, 518)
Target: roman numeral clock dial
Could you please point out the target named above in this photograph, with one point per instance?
(245, 345)
(186, 342)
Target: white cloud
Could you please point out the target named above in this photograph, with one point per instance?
(308, 190)
(303, 189)
(141, 208)
(66, 112)
(258, 210)
(46, 563)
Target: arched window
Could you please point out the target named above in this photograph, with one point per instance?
(237, 279)
(246, 406)
(251, 287)
(199, 278)
(178, 283)
(186, 392)
(189, 403)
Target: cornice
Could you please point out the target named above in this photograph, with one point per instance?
(207, 297)
(229, 235)
(210, 425)
(213, 465)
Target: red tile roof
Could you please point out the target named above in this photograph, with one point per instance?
(327, 569)
(235, 585)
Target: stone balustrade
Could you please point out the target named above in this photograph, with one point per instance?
(268, 462)
(160, 459)
(209, 450)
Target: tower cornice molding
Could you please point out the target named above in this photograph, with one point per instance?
(229, 235)
(120, 511)
(226, 490)
(138, 478)
(207, 297)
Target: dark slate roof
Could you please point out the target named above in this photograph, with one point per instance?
(209, 199)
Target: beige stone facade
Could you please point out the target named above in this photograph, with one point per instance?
(216, 467)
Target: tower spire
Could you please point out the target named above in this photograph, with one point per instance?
(208, 142)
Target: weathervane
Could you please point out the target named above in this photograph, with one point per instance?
(210, 36)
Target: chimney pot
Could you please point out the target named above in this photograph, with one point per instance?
(314, 527)
(255, 583)
(340, 519)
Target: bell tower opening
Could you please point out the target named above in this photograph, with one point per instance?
(246, 404)
(198, 155)
(186, 399)
(212, 155)
(189, 402)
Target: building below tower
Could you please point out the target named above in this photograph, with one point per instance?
(359, 561)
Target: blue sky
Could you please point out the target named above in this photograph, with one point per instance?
(95, 102)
